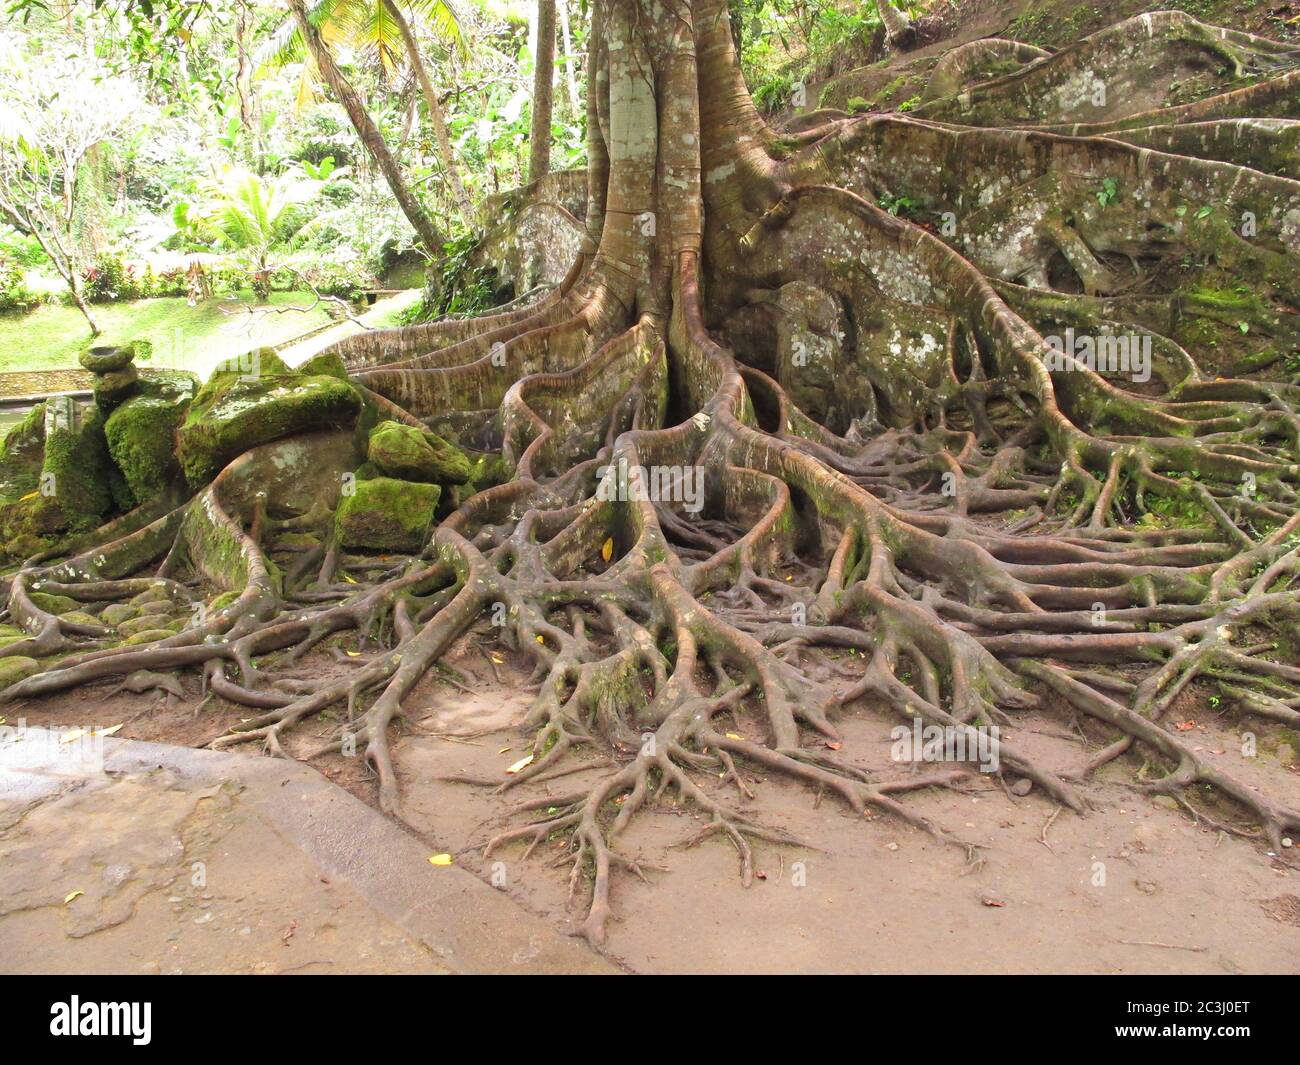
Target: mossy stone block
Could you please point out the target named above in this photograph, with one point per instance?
(384, 514)
(234, 412)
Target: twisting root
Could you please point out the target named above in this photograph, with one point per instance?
(713, 501)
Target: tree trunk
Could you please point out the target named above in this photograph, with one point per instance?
(539, 156)
(566, 44)
(80, 301)
(898, 27)
(445, 153)
(367, 130)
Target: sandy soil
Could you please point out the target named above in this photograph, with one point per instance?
(1135, 886)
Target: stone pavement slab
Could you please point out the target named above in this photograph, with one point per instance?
(124, 856)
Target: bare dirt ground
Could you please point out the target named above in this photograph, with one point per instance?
(1135, 886)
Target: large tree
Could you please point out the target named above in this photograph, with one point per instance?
(910, 502)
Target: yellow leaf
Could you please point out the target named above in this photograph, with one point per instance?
(734, 736)
(440, 859)
(106, 731)
(29, 495)
(71, 895)
(607, 549)
(353, 654)
(522, 763)
(350, 580)
(75, 734)
(541, 639)
(503, 750)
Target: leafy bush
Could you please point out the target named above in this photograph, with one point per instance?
(343, 274)
(15, 296)
(110, 280)
(463, 289)
(169, 283)
(23, 249)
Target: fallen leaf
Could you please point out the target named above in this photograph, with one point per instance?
(541, 639)
(440, 859)
(734, 736)
(997, 904)
(503, 750)
(288, 932)
(834, 745)
(607, 549)
(353, 654)
(106, 731)
(75, 734)
(72, 895)
(1185, 726)
(520, 764)
(496, 658)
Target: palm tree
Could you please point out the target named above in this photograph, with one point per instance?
(380, 28)
(249, 216)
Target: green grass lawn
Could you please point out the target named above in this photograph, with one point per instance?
(184, 337)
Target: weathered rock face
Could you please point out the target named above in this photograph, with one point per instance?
(259, 400)
(55, 476)
(876, 364)
(385, 514)
(410, 454)
(58, 477)
(533, 234)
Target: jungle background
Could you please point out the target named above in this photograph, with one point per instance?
(210, 138)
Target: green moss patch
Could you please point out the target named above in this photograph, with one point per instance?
(235, 411)
(75, 483)
(412, 454)
(52, 604)
(326, 364)
(116, 613)
(141, 436)
(149, 636)
(22, 455)
(384, 514)
(15, 668)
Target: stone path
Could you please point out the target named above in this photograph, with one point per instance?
(173, 860)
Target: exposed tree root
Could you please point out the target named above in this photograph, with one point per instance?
(891, 460)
